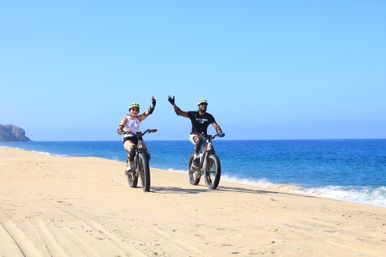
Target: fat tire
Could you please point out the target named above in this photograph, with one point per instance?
(143, 162)
(213, 183)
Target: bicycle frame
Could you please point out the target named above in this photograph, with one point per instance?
(141, 163)
(209, 149)
(209, 166)
(141, 147)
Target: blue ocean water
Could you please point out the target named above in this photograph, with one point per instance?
(351, 170)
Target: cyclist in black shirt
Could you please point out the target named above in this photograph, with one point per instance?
(200, 121)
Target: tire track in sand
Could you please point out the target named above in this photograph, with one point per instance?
(54, 246)
(103, 234)
(39, 238)
(161, 236)
(24, 244)
(9, 246)
(116, 236)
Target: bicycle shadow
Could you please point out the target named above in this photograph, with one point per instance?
(221, 189)
(204, 189)
(177, 190)
(245, 190)
(258, 191)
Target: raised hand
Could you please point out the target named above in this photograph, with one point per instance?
(171, 100)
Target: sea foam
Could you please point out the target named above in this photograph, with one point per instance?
(364, 195)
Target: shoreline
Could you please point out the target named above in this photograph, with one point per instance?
(82, 206)
(340, 193)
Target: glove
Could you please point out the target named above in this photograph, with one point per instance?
(221, 134)
(171, 100)
(153, 101)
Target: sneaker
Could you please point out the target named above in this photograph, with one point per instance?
(196, 161)
(128, 168)
(127, 171)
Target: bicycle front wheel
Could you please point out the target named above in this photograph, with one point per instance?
(212, 171)
(144, 173)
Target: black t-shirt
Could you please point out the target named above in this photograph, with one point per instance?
(200, 123)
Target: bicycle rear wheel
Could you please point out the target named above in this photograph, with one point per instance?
(212, 171)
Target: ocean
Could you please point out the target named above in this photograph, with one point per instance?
(349, 170)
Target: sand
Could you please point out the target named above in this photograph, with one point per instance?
(62, 206)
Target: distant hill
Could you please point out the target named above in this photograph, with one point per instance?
(11, 133)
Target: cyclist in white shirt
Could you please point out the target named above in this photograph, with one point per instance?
(129, 126)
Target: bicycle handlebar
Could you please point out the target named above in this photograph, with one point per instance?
(149, 131)
(217, 135)
(140, 134)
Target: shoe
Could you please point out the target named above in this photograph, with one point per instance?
(128, 168)
(129, 171)
(196, 161)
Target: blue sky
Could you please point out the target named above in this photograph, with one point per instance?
(269, 69)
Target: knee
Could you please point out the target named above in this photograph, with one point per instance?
(196, 139)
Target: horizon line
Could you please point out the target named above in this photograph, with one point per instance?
(268, 139)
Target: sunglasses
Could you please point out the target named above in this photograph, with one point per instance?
(134, 109)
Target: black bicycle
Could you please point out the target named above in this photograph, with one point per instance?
(141, 163)
(207, 165)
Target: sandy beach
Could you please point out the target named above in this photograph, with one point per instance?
(65, 206)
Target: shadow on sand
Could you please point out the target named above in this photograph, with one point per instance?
(203, 189)
(221, 189)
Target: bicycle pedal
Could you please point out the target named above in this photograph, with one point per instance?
(194, 168)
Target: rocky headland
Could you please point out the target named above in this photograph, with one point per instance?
(11, 133)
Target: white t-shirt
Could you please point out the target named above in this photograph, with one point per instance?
(132, 126)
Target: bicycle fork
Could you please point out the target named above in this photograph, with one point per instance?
(204, 157)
